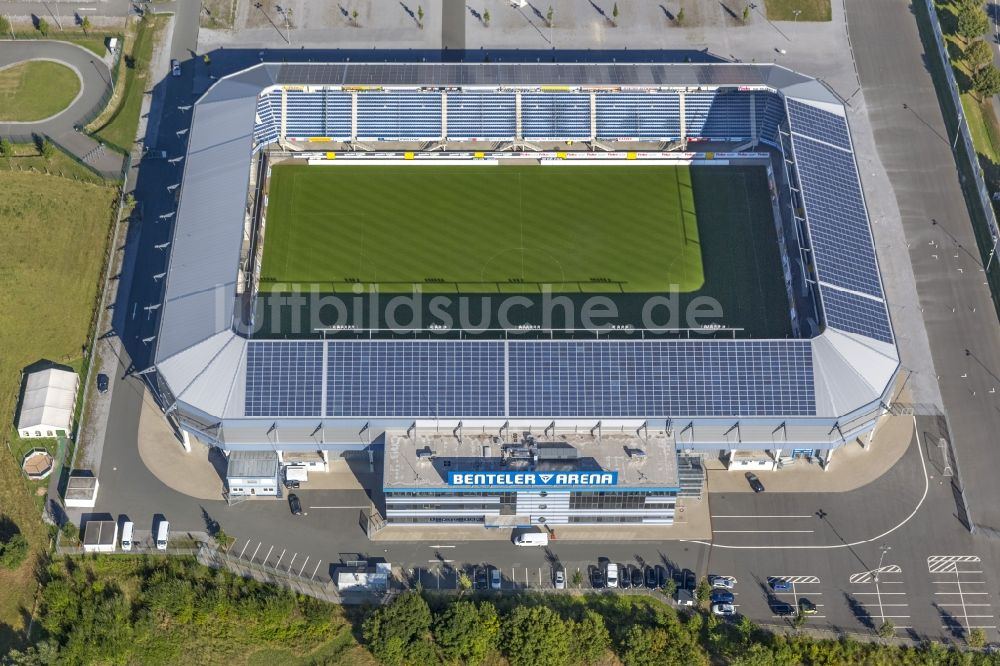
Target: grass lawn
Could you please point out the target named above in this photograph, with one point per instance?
(95, 42)
(36, 90)
(810, 10)
(46, 304)
(119, 129)
(464, 228)
(27, 158)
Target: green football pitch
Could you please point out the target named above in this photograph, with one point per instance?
(476, 229)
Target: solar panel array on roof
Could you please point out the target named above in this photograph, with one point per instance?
(770, 113)
(284, 378)
(838, 223)
(856, 314)
(818, 124)
(415, 378)
(638, 379)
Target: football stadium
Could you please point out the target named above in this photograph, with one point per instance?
(537, 294)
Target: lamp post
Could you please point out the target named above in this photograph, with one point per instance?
(885, 549)
(796, 12)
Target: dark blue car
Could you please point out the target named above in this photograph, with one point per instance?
(722, 597)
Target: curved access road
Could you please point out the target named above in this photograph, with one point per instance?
(95, 85)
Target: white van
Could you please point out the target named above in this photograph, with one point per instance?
(127, 535)
(611, 576)
(532, 539)
(162, 532)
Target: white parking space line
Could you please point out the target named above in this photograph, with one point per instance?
(763, 531)
(971, 608)
(879, 605)
(809, 516)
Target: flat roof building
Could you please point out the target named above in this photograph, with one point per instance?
(48, 404)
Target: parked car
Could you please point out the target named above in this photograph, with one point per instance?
(690, 581)
(722, 582)
(636, 577)
(807, 607)
(495, 578)
(662, 576)
(102, 382)
(722, 597)
(626, 576)
(611, 575)
(723, 609)
(560, 579)
(596, 578)
(175, 67)
(481, 581)
(292, 484)
(294, 504)
(650, 578)
(754, 482)
(678, 576)
(779, 585)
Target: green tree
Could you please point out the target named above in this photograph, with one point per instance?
(886, 630)
(43, 27)
(223, 540)
(467, 632)
(986, 82)
(644, 646)
(550, 16)
(47, 149)
(13, 552)
(85, 24)
(354, 16)
(670, 589)
(745, 627)
(977, 638)
(391, 632)
(44, 653)
(799, 620)
(464, 582)
(420, 15)
(486, 17)
(746, 13)
(614, 13)
(590, 639)
(978, 54)
(680, 16)
(6, 148)
(5, 26)
(536, 636)
(578, 578)
(704, 591)
(70, 531)
(972, 23)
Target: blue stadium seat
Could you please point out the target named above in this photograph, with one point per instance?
(482, 115)
(638, 116)
(401, 115)
(555, 116)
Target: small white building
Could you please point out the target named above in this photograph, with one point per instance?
(252, 473)
(364, 578)
(81, 491)
(100, 536)
(48, 404)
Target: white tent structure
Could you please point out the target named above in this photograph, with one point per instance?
(48, 405)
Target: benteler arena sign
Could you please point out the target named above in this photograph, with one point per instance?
(531, 479)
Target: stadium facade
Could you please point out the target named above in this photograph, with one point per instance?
(487, 431)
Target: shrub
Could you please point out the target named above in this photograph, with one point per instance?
(13, 552)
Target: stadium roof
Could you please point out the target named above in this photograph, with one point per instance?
(224, 378)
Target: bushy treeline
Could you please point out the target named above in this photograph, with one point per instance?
(137, 610)
(560, 630)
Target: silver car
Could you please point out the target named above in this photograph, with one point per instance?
(722, 582)
(560, 579)
(495, 579)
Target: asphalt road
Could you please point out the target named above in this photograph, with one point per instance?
(95, 79)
